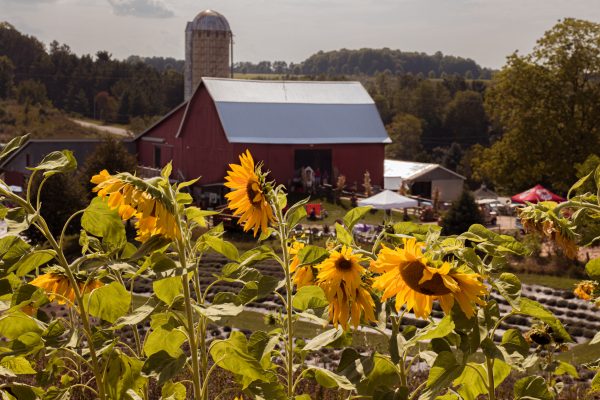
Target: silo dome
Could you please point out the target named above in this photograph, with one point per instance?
(210, 20)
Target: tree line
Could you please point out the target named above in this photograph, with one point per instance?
(371, 62)
(94, 86)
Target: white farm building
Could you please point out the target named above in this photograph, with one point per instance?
(422, 179)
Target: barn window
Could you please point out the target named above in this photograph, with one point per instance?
(157, 162)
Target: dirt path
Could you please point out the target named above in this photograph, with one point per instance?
(104, 128)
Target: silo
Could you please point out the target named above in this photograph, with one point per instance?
(208, 49)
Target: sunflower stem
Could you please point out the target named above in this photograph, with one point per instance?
(43, 227)
(283, 237)
(489, 362)
(191, 331)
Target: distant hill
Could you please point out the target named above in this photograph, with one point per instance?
(372, 61)
(161, 64)
(367, 62)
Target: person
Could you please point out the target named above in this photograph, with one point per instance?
(325, 177)
(318, 177)
(308, 179)
(313, 214)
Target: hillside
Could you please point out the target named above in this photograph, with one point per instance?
(42, 121)
(96, 86)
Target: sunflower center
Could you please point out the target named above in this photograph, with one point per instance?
(253, 192)
(413, 273)
(343, 264)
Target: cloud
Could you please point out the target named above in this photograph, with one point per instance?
(141, 8)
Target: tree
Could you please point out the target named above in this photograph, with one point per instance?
(405, 132)
(548, 103)
(7, 74)
(105, 107)
(461, 215)
(123, 112)
(449, 157)
(32, 92)
(111, 155)
(428, 102)
(61, 196)
(466, 120)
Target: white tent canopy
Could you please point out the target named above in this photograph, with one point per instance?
(387, 200)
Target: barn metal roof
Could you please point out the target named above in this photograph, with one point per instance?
(409, 170)
(296, 112)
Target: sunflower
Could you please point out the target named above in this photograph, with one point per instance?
(553, 228)
(585, 290)
(340, 277)
(248, 199)
(152, 216)
(58, 287)
(303, 276)
(407, 274)
(566, 244)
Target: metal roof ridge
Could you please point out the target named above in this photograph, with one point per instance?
(294, 103)
(429, 167)
(282, 81)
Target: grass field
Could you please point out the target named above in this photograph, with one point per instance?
(555, 282)
(337, 211)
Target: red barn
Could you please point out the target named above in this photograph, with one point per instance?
(330, 126)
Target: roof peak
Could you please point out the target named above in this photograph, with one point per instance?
(207, 78)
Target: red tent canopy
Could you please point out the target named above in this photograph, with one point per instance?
(535, 194)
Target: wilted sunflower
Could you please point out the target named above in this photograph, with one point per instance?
(248, 199)
(152, 216)
(303, 276)
(585, 290)
(566, 244)
(552, 227)
(408, 275)
(340, 277)
(57, 286)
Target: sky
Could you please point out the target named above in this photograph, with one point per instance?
(291, 30)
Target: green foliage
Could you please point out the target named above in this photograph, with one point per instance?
(463, 213)
(583, 169)
(32, 92)
(466, 119)
(372, 61)
(7, 75)
(548, 110)
(110, 155)
(71, 81)
(109, 302)
(405, 131)
(61, 196)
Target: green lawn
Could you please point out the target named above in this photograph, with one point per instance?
(337, 211)
(555, 282)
